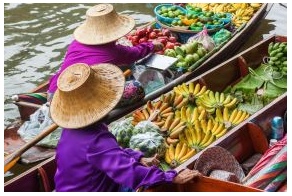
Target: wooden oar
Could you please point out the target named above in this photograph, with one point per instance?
(12, 159)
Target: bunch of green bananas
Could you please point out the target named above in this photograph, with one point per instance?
(278, 56)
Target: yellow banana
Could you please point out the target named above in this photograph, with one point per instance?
(238, 115)
(177, 150)
(220, 134)
(225, 114)
(183, 115)
(184, 102)
(171, 152)
(189, 136)
(222, 98)
(177, 90)
(174, 123)
(183, 151)
(189, 114)
(227, 100)
(175, 133)
(206, 138)
(202, 91)
(197, 89)
(219, 129)
(195, 115)
(202, 115)
(217, 96)
(166, 156)
(212, 97)
(191, 153)
(241, 118)
(191, 87)
(215, 126)
(168, 121)
(211, 140)
(171, 141)
(233, 115)
(210, 125)
(203, 124)
(231, 103)
(185, 88)
(178, 99)
(157, 104)
(219, 115)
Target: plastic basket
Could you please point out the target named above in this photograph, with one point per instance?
(167, 19)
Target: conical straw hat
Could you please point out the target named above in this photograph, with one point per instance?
(86, 94)
(103, 25)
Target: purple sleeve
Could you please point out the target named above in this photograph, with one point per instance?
(128, 55)
(137, 155)
(105, 155)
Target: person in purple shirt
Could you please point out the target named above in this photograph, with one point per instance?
(95, 42)
(88, 155)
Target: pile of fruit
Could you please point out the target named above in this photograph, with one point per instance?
(242, 12)
(187, 54)
(190, 118)
(146, 34)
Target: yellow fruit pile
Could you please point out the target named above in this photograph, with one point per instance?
(190, 118)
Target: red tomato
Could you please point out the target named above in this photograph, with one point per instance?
(162, 40)
(149, 29)
(159, 34)
(135, 38)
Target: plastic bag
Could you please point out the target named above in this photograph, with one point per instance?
(204, 39)
(149, 143)
(37, 123)
(122, 130)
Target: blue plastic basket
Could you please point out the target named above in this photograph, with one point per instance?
(225, 20)
(167, 19)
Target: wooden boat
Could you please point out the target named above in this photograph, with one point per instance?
(241, 141)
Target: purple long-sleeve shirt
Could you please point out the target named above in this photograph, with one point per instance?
(90, 159)
(93, 54)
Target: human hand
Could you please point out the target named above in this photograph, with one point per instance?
(148, 162)
(157, 45)
(186, 175)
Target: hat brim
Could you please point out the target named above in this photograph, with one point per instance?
(85, 107)
(217, 158)
(87, 34)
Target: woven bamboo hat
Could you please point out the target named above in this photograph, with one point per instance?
(103, 25)
(219, 163)
(86, 94)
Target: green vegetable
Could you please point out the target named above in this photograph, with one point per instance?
(149, 143)
(144, 127)
(122, 130)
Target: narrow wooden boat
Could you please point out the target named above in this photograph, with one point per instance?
(242, 140)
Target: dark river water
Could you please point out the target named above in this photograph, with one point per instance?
(36, 37)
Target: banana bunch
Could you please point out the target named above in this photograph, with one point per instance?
(243, 14)
(212, 100)
(204, 6)
(233, 119)
(189, 115)
(278, 56)
(175, 128)
(179, 101)
(190, 92)
(255, 6)
(175, 156)
(163, 111)
(197, 138)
